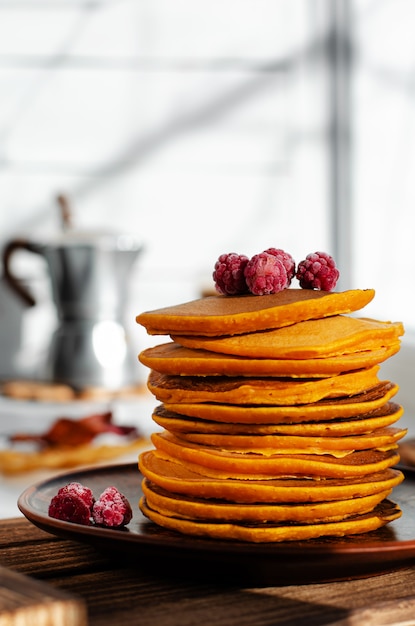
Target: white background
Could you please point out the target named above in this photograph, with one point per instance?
(206, 126)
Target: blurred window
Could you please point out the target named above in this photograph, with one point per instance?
(208, 126)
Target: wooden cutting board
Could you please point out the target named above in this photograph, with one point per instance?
(26, 601)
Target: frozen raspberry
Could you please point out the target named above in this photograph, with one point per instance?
(287, 261)
(265, 274)
(112, 509)
(72, 503)
(229, 274)
(80, 490)
(70, 508)
(318, 271)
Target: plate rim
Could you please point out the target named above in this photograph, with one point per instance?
(187, 542)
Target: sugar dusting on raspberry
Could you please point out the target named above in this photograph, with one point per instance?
(228, 274)
(265, 274)
(112, 509)
(76, 503)
(317, 271)
(72, 503)
(286, 259)
(80, 490)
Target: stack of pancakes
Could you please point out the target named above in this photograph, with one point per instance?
(275, 423)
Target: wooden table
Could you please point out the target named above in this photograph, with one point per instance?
(115, 594)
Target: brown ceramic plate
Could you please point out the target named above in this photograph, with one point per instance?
(171, 554)
(407, 455)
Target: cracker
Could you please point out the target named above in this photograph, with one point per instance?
(36, 390)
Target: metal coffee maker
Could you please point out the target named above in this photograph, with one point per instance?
(89, 274)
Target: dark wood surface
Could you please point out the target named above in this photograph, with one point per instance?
(117, 594)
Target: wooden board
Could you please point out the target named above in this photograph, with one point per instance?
(24, 600)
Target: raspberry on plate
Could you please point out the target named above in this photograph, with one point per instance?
(317, 271)
(265, 274)
(80, 490)
(69, 506)
(72, 503)
(287, 261)
(228, 274)
(112, 509)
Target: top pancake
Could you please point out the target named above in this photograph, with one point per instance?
(232, 315)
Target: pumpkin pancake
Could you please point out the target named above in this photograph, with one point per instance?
(269, 532)
(172, 359)
(360, 424)
(175, 505)
(328, 337)
(381, 439)
(244, 390)
(228, 464)
(177, 478)
(275, 424)
(230, 315)
(330, 409)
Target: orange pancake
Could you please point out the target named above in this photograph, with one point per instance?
(230, 315)
(381, 439)
(266, 532)
(174, 477)
(312, 339)
(330, 409)
(228, 464)
(245, 390)
(175, 505)
(357, 425)
(171, 359)
(275, 424)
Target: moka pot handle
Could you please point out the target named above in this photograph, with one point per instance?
(13, 281)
